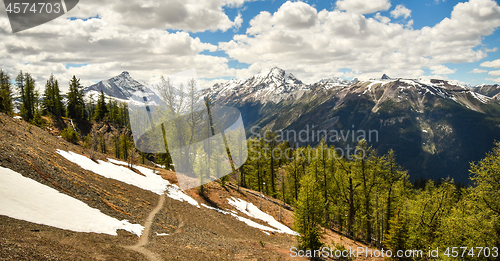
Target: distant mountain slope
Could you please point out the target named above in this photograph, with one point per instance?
(492, 91)
(121, 86)
(268, 86)
(436, 127)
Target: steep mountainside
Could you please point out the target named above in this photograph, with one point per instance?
(269, 86)
(489, 90)
(121, 86)
(436, 127)
(224, 223)
(182, 230)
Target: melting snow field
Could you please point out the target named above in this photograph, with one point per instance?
(111, 169)
(150, 181)
(25, 199)
(252, 211)
(115, 169)
(242, 219)
(176, 193)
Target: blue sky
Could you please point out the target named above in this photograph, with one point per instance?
(426, 13)
(225, 39)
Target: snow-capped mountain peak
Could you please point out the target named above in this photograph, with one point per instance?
(121, 86)
(385, 77)
(273, 85)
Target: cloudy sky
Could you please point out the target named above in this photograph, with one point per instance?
(225, 39)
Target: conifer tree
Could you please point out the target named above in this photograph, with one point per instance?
(124, 146)
(392, 174)
(123, 115)
(114, 111)
(37, 120)
(102, 144)
(101, 110)
(90, 107)
(76, 104)
(486, 196)
(5, 93)
(117, 147)
(20, 84)
(486, 176)
(308, 213)
(52, 101)
(26, 84)
(272, 160)
(367, 173)
(397, 236)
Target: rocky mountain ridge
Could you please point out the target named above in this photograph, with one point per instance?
(436, 127)
(121, 86)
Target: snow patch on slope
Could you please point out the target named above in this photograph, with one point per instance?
(252, 211)
(245, 220)
(482, 98)
(254, 224)
(175, 192)
(216, 209)
(150, 181)
(25, 199)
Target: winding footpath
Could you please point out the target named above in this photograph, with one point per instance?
(144, 239)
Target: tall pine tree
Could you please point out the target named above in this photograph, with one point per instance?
(308, 213)
(397, 236)
(101, 110)
(76, 104)
(20, 84)
(26, 85)
(52, 101)
(5, 93)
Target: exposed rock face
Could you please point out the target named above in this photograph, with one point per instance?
(121, 86)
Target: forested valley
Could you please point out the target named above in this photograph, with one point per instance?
(369, 197)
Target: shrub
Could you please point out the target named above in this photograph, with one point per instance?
(70, 135)
(38, 120)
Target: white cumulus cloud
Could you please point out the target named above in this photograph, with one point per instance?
(187, 15)
(494, 64)
(94, 50)
(441, 69)
(382, 19)
(401, 10)
(367, 47)
(493, 79)
(476, 70)
(494, 73)
(363, 6)
(122, 36)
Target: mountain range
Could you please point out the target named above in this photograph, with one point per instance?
(489, 90)
(436, 127)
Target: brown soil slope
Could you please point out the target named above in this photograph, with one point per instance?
(193, 233)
